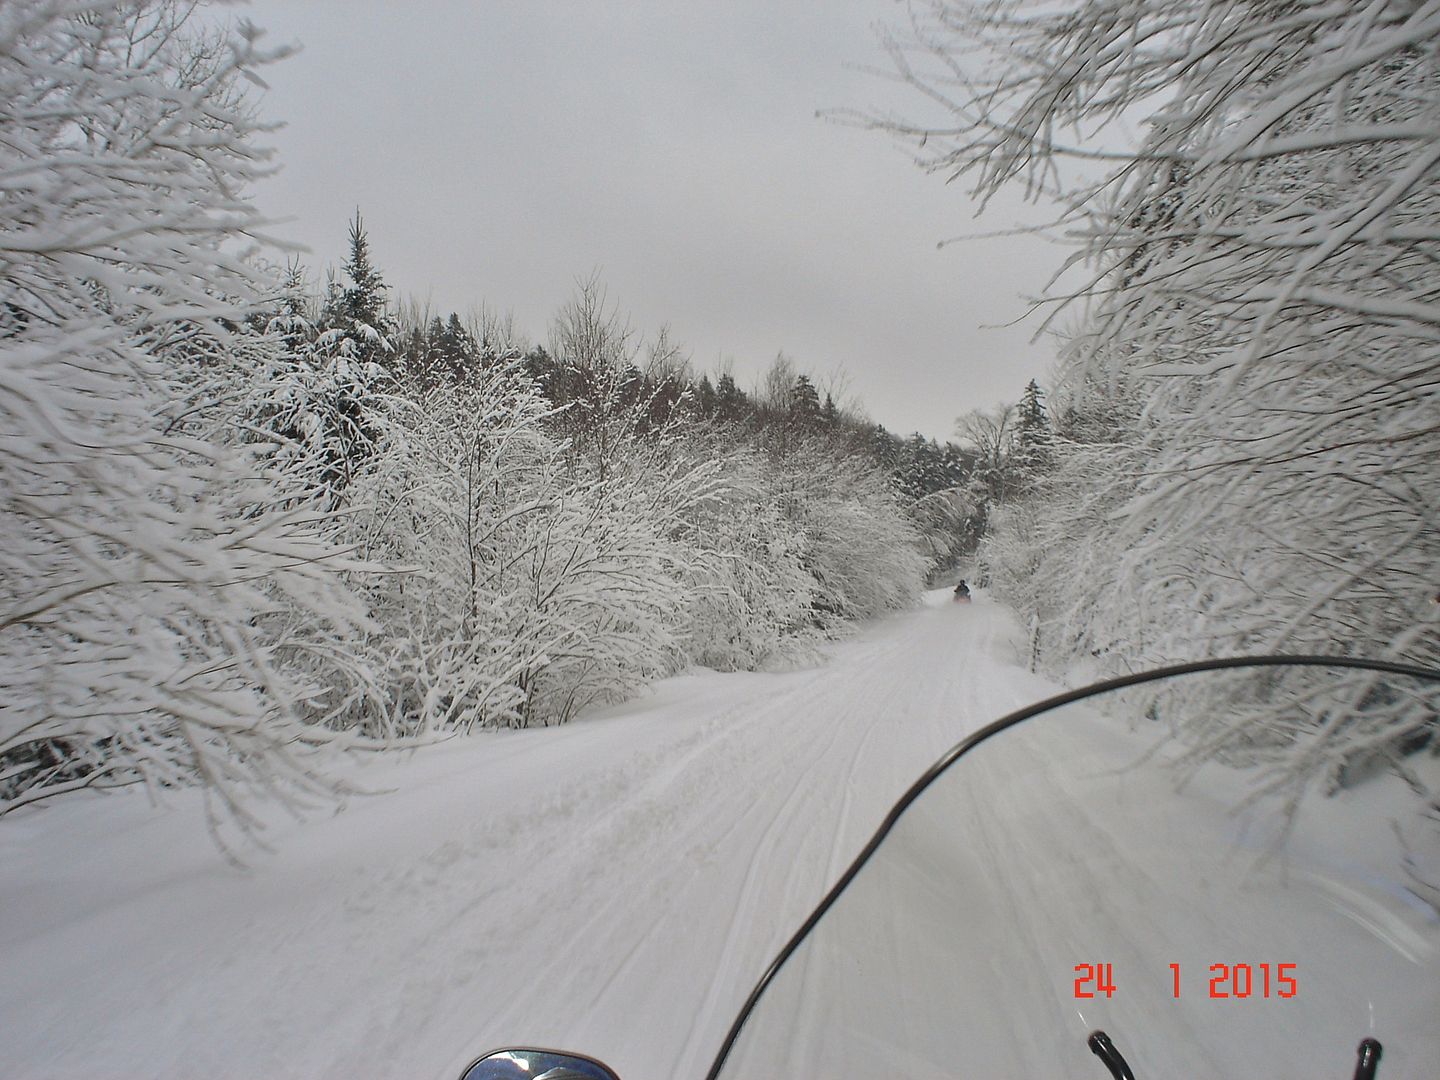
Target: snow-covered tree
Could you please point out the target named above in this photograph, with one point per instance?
(152, 589)
(431, 350)
(356, 325)
(535, 582)
(990, 436)
(750, 599)
(855, 539)
(804, 410)
(704, 399)
(594, 351)
(731, 403)
(1262, 284)
(455, 347)
(324, 406)
(1033, 452)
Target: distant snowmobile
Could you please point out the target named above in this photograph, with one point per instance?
(962, 593)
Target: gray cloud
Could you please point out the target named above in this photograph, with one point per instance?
(501, 150)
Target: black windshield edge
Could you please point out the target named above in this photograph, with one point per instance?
(977, 737)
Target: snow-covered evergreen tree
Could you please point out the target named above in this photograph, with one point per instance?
(731, 403)
(804, 408)
(356, 324)
(1034, 450)
(328, 401)
(705, 398)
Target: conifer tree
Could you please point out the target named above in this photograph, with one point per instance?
(337, 409)
(1034, 443)
(356, 323)
(454, 348)
(804, 411)
(290, 320)
(884, 447)
(730, 401)
(705, 399)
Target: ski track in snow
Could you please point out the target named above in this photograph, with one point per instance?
(615, 886)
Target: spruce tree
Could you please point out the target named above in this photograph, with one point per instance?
(1034, 443)
(455, 348)
(705, 398)
(290, 317)
(730, 402)
(804, 405)
(356, 323)
(884, 447)
(356, 355)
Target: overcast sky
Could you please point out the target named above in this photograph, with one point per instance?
(499, 151)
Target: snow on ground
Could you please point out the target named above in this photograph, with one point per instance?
(953, 952)
(614, 886)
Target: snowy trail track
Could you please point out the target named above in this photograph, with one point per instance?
(615, 886)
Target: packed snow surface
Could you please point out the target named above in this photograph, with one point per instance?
(616, 886)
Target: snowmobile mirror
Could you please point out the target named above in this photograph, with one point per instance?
(522, 1063)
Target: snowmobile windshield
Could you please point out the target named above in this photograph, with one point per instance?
(1233, 872)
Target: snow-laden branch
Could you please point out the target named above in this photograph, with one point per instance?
(1248, 406)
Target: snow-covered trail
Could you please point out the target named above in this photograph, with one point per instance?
(614, 886)
(617, 885)
(953, 952)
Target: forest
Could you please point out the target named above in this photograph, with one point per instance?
(251, 518)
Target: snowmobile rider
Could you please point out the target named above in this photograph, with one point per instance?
(962, 591)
